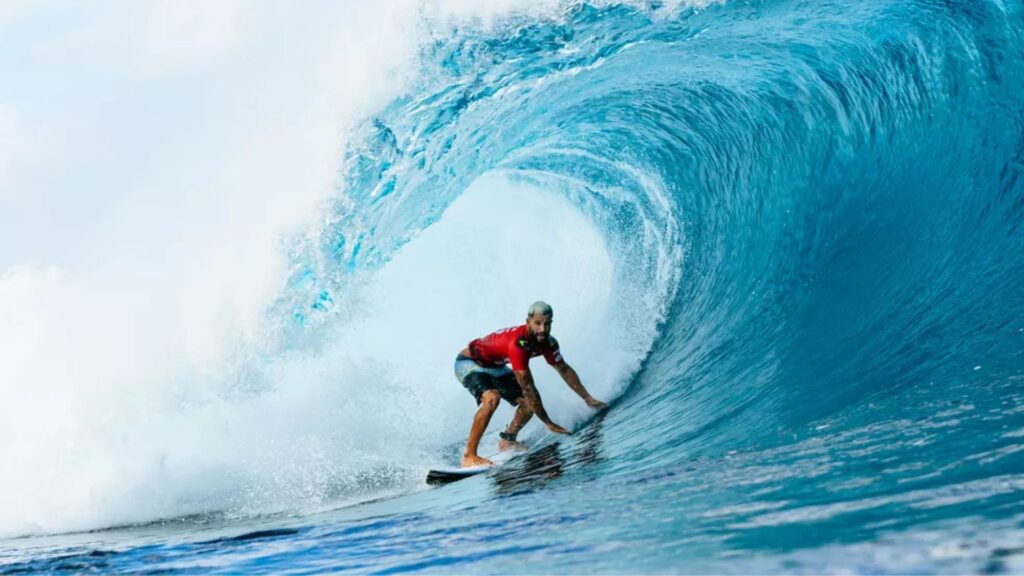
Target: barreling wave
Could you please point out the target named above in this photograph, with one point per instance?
(819, 205)
(800, 228)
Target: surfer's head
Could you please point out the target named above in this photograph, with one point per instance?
(538, 321)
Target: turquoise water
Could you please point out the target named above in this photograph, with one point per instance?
(818, 205)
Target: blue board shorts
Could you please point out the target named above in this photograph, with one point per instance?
(478, 379)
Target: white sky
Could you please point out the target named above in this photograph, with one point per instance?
(119, 120)
(127, 122)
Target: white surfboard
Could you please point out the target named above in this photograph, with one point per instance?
(447, 474)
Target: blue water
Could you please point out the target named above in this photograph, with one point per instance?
(823, 205)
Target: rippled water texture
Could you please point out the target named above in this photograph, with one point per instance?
(818, 205)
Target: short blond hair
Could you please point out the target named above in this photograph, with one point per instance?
(540, 307)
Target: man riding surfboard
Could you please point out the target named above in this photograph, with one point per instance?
(483, 368)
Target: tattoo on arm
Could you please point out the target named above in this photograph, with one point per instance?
(573, 380)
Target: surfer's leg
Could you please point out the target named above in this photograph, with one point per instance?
(513, 393)
(488, 404)
(521, 417)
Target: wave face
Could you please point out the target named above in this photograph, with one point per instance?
(786, 237)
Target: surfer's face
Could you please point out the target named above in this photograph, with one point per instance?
(539, 327)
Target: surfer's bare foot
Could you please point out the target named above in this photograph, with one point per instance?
(469, 460)
(506, 445)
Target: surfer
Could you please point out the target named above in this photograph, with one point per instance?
(483, 368)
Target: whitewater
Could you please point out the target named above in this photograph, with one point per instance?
(241, 243)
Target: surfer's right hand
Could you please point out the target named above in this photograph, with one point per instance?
(558, 429)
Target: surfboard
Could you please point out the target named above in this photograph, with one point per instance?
(449, 474)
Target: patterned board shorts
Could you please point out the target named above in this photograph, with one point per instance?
(478, 379)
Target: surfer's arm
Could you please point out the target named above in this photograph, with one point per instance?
(525, 379)
(573, 380)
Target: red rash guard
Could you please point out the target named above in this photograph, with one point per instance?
(513, 346)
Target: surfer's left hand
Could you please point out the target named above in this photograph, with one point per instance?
(595, 403)
(558, 429)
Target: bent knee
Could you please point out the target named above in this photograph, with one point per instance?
(490, 399)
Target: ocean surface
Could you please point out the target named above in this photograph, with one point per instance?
(783, 239)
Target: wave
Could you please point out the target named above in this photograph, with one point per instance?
(819, 207)
(765, 228)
